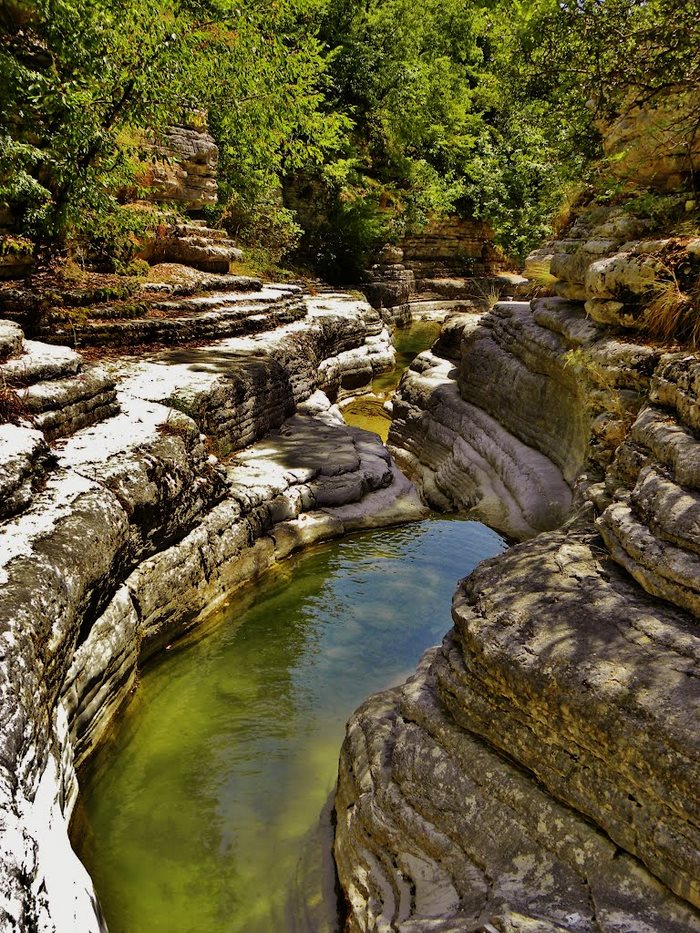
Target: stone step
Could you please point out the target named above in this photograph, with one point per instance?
(47, 386)
(248, 315)
(210, 254)
(200, 228)
(183, 280)
(39, 362)
(62, 406)
(24, 457)
(269, 295)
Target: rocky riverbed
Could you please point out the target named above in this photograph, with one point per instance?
(137, 495)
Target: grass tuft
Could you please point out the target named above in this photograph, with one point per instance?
(12, 408)
(673, 312)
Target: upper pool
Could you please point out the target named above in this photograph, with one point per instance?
(368, 411)
(199, 813)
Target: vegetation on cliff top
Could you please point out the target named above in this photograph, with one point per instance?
(369, 116)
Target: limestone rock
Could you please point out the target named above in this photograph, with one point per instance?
(390, 255)
(38, 362)
(176, 320)
(612, 731)
(11, 338)
(436, 830)
(390, 286)
(653, 144)
(194, 245)
(452, 246)
(463, 458)
(24, 456)
(528, 390)
(572, 666)
(62, 406)
(514, 370)
(184, 168)
(241, 387)
(651, 526)
(622, 276)
(177, 280)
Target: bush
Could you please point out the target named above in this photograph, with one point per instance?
(341, 230)
(113, 240)
(265, 224)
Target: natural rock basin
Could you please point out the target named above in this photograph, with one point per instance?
(196, 811)
(368, 411)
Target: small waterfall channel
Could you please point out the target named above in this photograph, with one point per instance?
(207, 808)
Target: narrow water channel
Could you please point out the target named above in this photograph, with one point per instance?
(371, 411)
(196, 814)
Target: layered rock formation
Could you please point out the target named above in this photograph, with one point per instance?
(131, 530)
(656, 143)
(540, 771)
(453, 266)
(184, 167)
(553, 733)
(193, 244)
(445, 433)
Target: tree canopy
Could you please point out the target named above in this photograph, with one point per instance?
(371, 115)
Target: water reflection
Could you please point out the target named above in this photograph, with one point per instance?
(196, 811)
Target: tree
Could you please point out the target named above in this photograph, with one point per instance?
(76, 74)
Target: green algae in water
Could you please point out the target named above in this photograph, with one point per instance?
(196, 812)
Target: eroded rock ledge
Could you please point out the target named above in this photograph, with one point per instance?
(577, 680)
(507, 409)
(540, 771)
(130, 529)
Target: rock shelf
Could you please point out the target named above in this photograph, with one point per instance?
(540, 770)
(129, 530)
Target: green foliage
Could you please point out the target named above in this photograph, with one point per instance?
(77, 77)
(389, 112)
(15, 246)
(408, 75)
(261, 223)
(111, 237)
(444, 121)
(344, 217)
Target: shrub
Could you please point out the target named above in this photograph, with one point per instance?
(112, 240)
(674, 310)
(265, 224)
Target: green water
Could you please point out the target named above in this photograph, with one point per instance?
(368, 411)
(197, 812)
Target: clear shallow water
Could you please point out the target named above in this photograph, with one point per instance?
(196, 813)
(367, 411)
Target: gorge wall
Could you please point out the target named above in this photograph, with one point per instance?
(135, 496)
(540, 770)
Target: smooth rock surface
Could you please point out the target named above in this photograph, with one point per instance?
(540, 772)
(138, 531)
(464, 459)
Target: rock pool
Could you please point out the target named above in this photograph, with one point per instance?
(201, 811)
